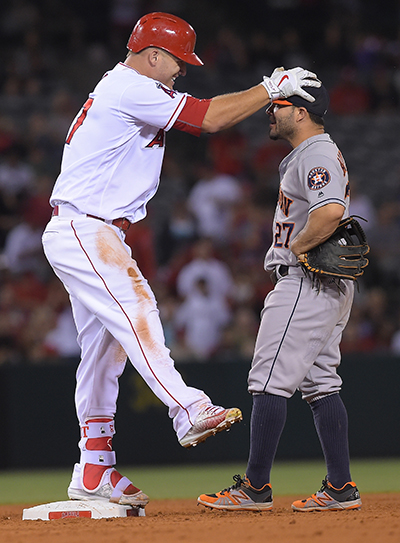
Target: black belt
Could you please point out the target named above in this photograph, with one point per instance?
(122, 223)
(282, 270)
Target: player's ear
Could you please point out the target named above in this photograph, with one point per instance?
(153, 55)
(302, 113)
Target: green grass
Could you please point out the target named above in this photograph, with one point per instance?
(294, 478)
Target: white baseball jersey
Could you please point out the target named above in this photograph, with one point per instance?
(115, 147)
(314, 174)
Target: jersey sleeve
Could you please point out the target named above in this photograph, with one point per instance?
(324, 180)
(152, 103)
(191, 116)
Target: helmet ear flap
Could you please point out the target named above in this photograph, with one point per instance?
(167, 32)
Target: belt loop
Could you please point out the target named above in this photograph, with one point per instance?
(279, 272)
(283, 270)
(123, 224)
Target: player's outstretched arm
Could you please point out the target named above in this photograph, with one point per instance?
(229, 109)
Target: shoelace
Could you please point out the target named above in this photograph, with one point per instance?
(324, 485)
(322, 489)
(212, 410)
(239, 482)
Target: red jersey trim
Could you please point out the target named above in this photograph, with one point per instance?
(173, 115)
(191, 117)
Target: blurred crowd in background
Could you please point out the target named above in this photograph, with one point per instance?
(209, 226)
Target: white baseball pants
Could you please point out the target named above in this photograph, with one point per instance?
(116, 316)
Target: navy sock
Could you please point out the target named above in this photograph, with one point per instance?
(267, 421)
(331, 423)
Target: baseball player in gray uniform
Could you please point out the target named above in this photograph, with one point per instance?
(297, 346)
(110, 169)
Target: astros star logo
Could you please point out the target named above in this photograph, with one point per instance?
(318, 178)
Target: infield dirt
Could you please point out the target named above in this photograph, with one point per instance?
(175, 521)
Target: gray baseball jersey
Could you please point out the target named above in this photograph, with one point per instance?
(301, 327)
(312, 175)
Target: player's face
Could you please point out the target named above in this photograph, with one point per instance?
(282, 124)
(170, 68)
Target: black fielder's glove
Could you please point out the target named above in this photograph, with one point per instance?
(342, 255)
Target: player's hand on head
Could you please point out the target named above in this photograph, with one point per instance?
(284, 83)
(298, 78)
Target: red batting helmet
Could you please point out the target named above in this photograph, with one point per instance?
(167, 32)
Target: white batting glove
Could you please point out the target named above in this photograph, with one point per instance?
(277, 71)
(284, 83)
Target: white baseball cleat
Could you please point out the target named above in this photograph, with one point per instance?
(211, 420)
(106, 490)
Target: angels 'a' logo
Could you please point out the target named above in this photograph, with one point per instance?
(158, 140)
(171, 93)
(318, 178)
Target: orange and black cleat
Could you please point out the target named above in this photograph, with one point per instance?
(241, 496)
(329, 498)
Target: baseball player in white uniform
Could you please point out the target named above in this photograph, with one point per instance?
(302, 321)
(110, 169)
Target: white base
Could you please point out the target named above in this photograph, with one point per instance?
(79, 508)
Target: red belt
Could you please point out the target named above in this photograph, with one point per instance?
(122, 223)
